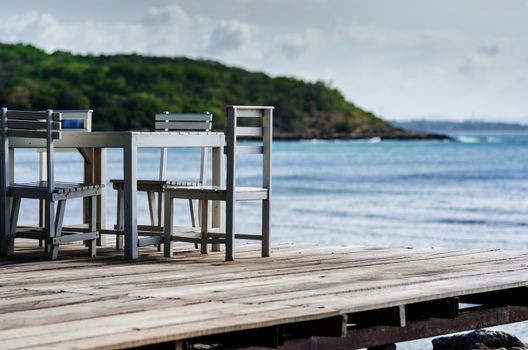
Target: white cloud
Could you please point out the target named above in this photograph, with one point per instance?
(489, 50)
(167, 30)
(296, 44)
(401, 65)
(169, 16)
(230, 35)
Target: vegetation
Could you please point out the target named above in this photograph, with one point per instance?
(125, 91)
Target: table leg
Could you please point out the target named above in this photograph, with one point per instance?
(7, 241)
(95, 173)
(4, 207)
(11, 164)
(130, 177)
(217, 180)
(43, 176)
(10, 204)
(88, 156)
(100, 179)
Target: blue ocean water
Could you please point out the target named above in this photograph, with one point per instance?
(471, 193)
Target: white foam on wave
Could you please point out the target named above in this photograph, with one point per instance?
(313, 141)
(468, 139)
(375, 140)
(316, 141)
(492, 139)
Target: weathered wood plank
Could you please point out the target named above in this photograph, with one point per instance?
(221, 324)
(161, 283)
(182, 315)
(84, 309)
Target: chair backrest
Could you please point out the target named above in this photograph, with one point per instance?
(199, 122)
(262, 116)
(72, 120)
(184, 121)
(29, 124)
(75, 120)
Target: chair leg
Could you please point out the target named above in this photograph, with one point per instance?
(59, 218)
(266, 228)
(230, 230)
(160, 213)
(92, 248)
(204, 226)
(9, 242)
(194, 217)
(53, 249)
(153, 211)
(120, 217)
(92, 226)
(42, 223)
(168, 249)
(161, 204)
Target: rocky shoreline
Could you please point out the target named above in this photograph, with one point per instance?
(396, 136)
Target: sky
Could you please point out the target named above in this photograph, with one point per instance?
(405, 59)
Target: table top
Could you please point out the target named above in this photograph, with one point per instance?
(122, 139)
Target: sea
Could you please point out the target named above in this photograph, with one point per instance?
(471, 192)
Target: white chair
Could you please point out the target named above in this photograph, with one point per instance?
(42, 125)
(229, 193)
(72, 120)
(165, 122)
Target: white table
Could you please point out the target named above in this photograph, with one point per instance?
(94, 145)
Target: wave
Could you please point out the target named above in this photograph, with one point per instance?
(313, 141)
(473, 139)
(375, 140)
(491, 223)
(492, 139)
(468, 139)
(462, 221)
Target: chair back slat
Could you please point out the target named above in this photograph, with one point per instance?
(32, 124)
(31, 115)
(202, 126)
(249, 112)
(250, 149)
(249, 131)
(32, 134)
(184, 117)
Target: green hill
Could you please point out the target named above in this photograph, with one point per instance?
(125, 92)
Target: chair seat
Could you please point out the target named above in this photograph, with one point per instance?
(151, 185)
(194, 234)
(39, 188)
(216, 192)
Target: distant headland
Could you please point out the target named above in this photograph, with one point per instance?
(125, 91)
(449, 126)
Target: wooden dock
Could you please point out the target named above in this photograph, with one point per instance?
(315, 297)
